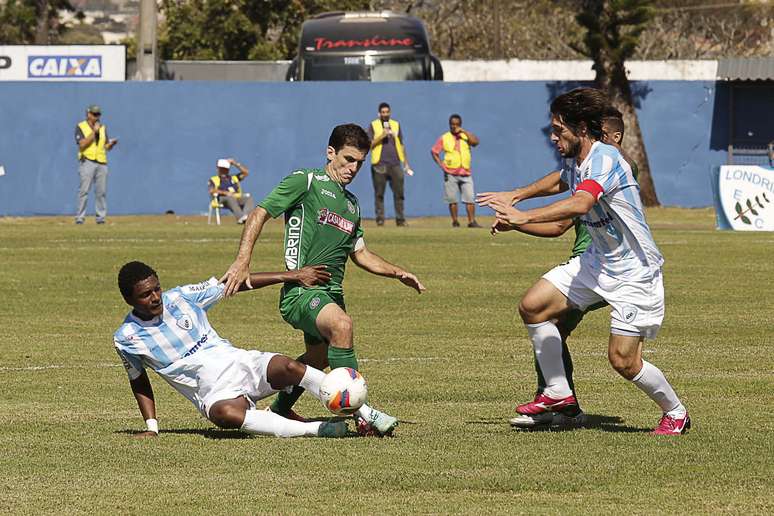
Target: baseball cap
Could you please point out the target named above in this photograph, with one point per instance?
(94, 109)
(224, 163)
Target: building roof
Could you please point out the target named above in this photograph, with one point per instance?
(746, 69)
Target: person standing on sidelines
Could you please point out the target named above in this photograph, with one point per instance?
(455, 145)
(93, 145)
(621, 267)
(612, 134)
(322, 227)
(388, 163)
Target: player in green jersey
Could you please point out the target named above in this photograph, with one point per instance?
(612, 134)
(322, 227)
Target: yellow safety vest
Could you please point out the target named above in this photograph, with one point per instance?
(378, 127)
(453, 158)
(236, 188)
(96, 151)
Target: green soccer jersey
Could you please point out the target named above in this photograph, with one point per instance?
(582, 236)
(322, 222)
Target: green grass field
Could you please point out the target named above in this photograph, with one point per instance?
(451, 364)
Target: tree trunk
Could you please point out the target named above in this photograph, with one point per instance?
(611, 78)
(41, 32)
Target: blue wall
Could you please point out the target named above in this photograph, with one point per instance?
(172, 132)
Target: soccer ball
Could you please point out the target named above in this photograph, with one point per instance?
(343, 391)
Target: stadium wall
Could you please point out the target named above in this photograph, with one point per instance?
(172, 132)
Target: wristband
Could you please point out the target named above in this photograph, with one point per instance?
(152, 425)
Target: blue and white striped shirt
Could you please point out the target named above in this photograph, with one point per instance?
(182, 330)
(622, 244)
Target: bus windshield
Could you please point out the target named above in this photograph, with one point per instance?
(365, 68)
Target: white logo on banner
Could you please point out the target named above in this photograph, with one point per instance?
(747, 197)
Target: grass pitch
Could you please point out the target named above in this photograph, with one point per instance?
(451, 364)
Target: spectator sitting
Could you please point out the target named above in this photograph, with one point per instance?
(228, 189)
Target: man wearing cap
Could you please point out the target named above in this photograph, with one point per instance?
(93, 144)
(228, 189)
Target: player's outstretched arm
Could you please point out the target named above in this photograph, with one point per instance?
(569, 208)
(308, 276)
(546, 229)
(375, 264)
(238, 273)
(550, 184)
(143, 393)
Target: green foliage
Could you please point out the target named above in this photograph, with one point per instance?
(238, 29)
(17, 22)
(451, 363)
(613, 27)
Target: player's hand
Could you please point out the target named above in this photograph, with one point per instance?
(499, 226)
(507, 214)
(484, 198)
(311, 276)
(237, 274)
(144, 435)
(410, 280)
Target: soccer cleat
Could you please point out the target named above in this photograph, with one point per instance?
(379, 424)
(455, 224)
(543, 403)
(669, 425)
(474, 224)
(549, 419)
(332, 429)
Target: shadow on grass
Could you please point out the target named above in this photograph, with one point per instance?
(591, 422)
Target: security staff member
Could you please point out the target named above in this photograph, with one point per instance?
(93, 144)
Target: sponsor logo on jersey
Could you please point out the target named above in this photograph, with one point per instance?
(350, 206)
(196, 346)
(199, 287)
(64, 66)
(605, 221)
(328, 193)
(314, 303)
(185, 323)
(328, 218)
(293, 242)
(323, 177)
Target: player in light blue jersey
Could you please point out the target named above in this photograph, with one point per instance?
(622, 266)
(169, 333)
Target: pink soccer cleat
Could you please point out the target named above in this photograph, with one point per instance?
(669, 425)
(543, 403)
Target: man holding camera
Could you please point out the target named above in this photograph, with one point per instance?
(93, 145)
(388, 162)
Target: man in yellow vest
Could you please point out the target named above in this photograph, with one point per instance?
(388, 162)
(455, 146)
(228, 189)
(93, 145)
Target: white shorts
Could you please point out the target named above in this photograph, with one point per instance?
(637, 306)
(223, 373)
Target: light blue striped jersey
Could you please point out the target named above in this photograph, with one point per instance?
(179, 332)
(622, 244)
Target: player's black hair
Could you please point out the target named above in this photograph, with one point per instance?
(582, 105)
(349, 134)
(384, 105)
(455, 115)
(614, 119)
(130, 274)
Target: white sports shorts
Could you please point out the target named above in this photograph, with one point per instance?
(637, 307)
(226, 373)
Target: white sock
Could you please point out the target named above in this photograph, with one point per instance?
(266, 422)
(312, 380)
(652, 382)
(365, 412)
(547, 343)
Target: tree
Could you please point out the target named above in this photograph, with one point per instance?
(613, 29)
(239, 29)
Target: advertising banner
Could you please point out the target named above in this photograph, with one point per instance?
(745, 198)
(63, 63)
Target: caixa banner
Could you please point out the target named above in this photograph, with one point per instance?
(63, 63)
(744, 198)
